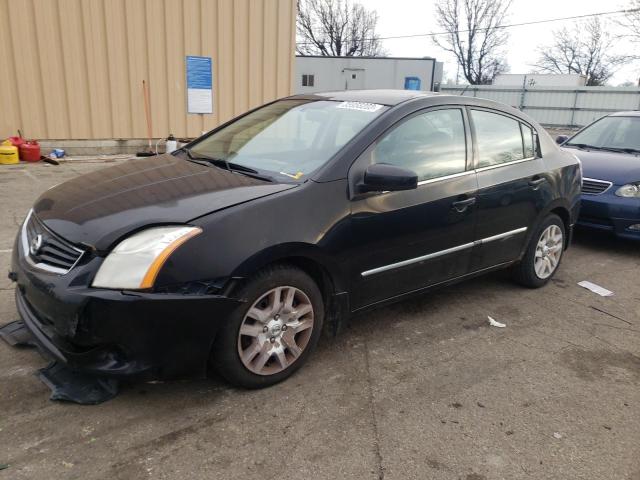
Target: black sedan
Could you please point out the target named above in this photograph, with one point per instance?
(609, 149)
(236, 250)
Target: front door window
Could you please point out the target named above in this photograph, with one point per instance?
(432, 144)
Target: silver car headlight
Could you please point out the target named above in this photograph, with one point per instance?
(136, 261)
(631, 190)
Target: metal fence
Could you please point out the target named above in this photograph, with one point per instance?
(556, 106)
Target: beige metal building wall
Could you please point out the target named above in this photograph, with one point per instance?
(73, 69)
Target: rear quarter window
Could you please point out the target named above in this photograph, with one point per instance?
(528, 141)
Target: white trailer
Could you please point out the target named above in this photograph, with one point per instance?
(540, 80)
(320, 73)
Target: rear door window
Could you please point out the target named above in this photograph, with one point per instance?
(499, 139)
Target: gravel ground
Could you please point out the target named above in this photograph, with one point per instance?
(423, 389)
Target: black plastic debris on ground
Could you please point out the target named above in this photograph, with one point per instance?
(17, 335)
(65, 384)
(72, 386)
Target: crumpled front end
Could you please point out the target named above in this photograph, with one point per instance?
(112, 332)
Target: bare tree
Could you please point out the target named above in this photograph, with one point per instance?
(630, 22)
(583, 50)
(474, 34)
(337, 28)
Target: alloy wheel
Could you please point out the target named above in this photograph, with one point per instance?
(548, 251)
(275, 330)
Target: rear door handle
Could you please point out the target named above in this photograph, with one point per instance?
(536, 182)
(461, 205)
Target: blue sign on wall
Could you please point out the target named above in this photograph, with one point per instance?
(412, 83)
(199, 84)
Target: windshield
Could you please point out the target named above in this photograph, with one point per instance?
(290, 137)
(618, 133)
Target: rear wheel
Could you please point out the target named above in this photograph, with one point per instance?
(543, 255)
(271, 336)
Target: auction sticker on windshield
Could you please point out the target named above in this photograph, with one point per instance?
(362, 106)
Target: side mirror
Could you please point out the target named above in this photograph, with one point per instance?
(381, 177)
(560, 139)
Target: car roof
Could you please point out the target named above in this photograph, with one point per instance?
(382, 97)
(630, 113)
(394, 98)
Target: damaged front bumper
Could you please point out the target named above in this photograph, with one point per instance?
(117, 333)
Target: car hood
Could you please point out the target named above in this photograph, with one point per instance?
(619, 168)
(99, 208)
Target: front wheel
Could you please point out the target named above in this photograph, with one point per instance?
(271, 336)
(543, 255)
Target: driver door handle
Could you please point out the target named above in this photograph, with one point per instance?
(461, 205)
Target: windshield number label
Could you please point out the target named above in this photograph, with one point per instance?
(362, 106)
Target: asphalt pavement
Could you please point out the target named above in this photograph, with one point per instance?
(423, 389)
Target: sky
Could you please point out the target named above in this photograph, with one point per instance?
(406, 17)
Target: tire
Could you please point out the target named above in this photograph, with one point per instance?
(525, 272)
(270, 336)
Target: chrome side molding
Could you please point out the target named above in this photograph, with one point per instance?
(501, 235)
(417, 259)
(440, 253)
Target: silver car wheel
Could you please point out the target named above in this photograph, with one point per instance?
(548, 251)
(275, 330)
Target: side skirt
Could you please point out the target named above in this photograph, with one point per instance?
(422, 290)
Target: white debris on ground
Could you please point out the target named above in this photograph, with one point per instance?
(494, 323)
(603, 292)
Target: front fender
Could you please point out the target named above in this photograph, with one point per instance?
(311, 221)
(295, 252)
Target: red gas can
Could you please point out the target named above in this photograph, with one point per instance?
(30, 151)
(16, 141)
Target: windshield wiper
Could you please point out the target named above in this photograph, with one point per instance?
(207, 160)
(227, 165)
(582, 146)
(621, 150)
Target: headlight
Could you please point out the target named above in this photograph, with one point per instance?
(136, 261)
(630, 190)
